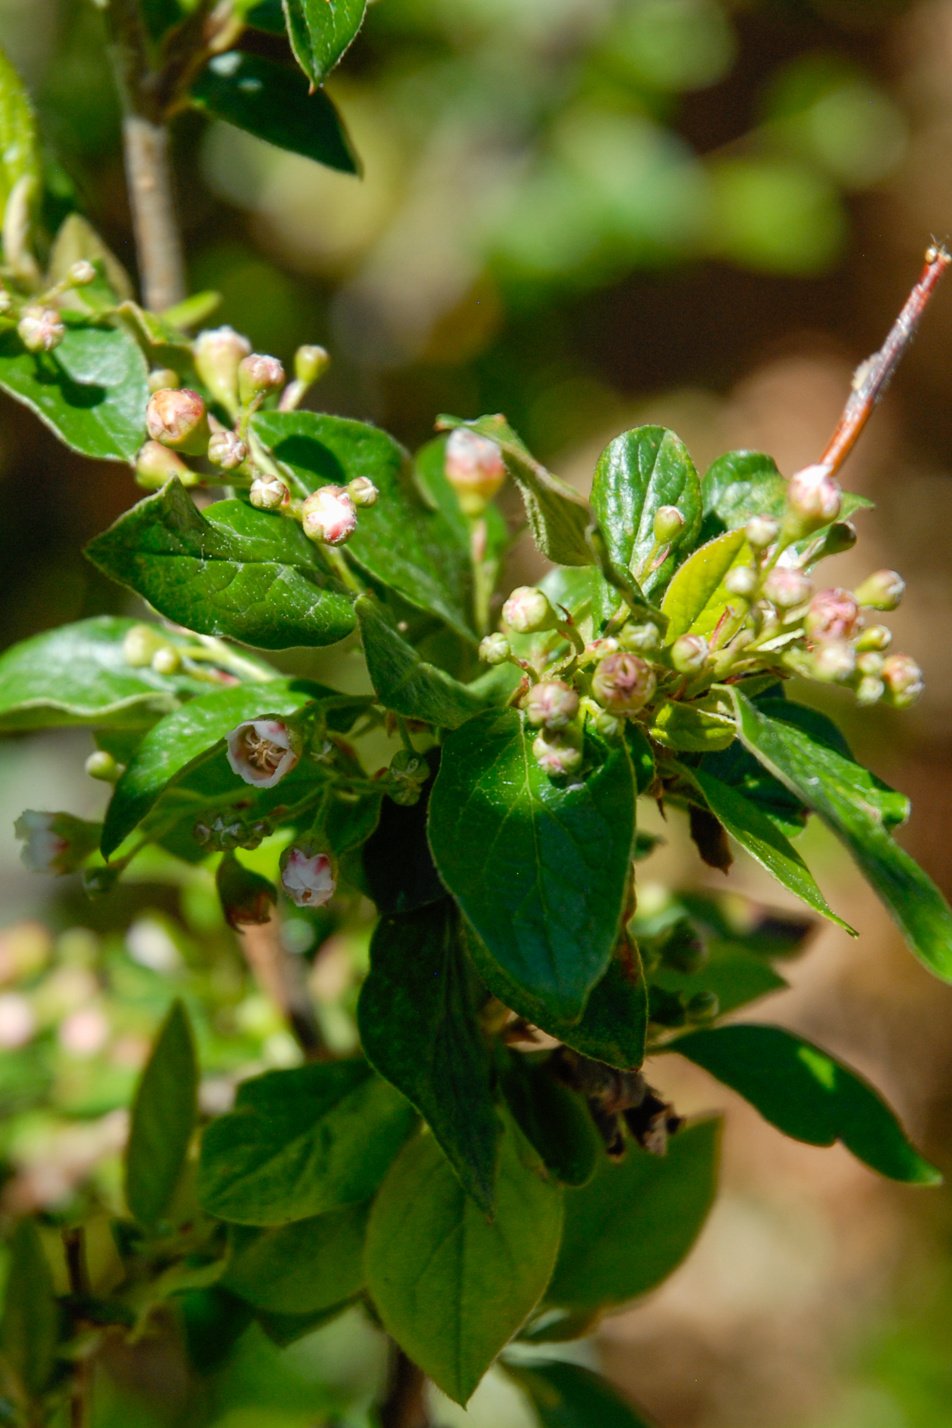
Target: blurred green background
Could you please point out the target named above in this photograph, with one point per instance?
(587, 214)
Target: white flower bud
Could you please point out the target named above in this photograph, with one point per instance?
(176, 417)
(217, 353)
(762, 531)
(527, 611)
(834, 661)
(557, 755)
(263, 751)
(689, 654)
(268, 493)
(17, 1021)
(40, 328)
(786, 588)
(227, 450)
(307, 875)
(258, 375)
(494, 649)
(362, 491)
(474, 468)
(640, 639)
(813, 500)
(742, 581)
(881, 591)
(81, 274)
(869, 690)
(551, 704)
(329, 515)
(623, 683)
(903, 680)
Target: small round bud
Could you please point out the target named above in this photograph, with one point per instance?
(839, 538)
(362, 491)
(247, 899)
(307, 875)
(156, 464)
(259, 375)
(762, 531)
(607, 726)
(743, 581)
(474, 468)
(227, 450)
(81, 274)
(17, 1021)
(494, 649)
(813, 500)
(40, 328)
(161, 377)
(834, 661)
(310, 363)
(101, 765)
(689, 654)
(329, 515)
(551, 704)
(873, 637)
(224, 832)
(903, 680)
(786, 588)
(668, 524)
(557, 755)
(408, 773)
(881, 591)
(869, 662)
(703, 1006)
(527, 611)
(176, 417)
(869, 690)
(166, 660)
(140, 644)
(640, 639)
(832, 615)
(268, 493)
(55, 842)
(262, 751)
(217, 353)
(623, 683)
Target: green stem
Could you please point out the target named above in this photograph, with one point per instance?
(218, 652)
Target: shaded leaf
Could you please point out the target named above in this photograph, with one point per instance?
(553, 1118)
(300, 1269)
(567, 1395)
(735, 975)
(163, 1118)
(406, 683)
(30, 1324)
(321, 31)
(400, 871)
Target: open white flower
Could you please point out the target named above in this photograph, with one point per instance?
(262, 751)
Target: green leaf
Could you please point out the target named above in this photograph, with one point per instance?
(163, 1119)
(834, 788)
(399, 541)
(808, 1095)
(764, 841)
(637, 473)
(406, 683)
(172, 747)
(735, 975)
(699, 727)
(267, 15)
(300, 1142)
(566, 1395)
(418, 1025)
(230, 570)
(320, 31)
(273, 102)
(304, 1268)
(76, 239)
(540, 869)
(78, 674)
(19, 156)
(90, 390)
(29, 1327)
(631, 1226)
(287, 1329)
(553, 1118)
(558, 516)
(400, 871)
(742, 484)
(451, 1286)
(697, 599)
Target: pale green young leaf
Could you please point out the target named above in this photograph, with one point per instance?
(164, 1113)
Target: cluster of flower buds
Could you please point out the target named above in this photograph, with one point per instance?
(40, 324)
(147, 647)
(230, 828)
(407, 774)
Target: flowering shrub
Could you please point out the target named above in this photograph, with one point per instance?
(479, 1157)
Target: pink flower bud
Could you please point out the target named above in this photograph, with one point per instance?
(474, 468)
(268, 493)
(329, 515)
(263, 751)
(307, 876)
(832, 615)
(247, 899)
(787, 588)
(743, 581)
(495, 649)
(227, 450)
(176, 417)
(362, 491)
(813, 500)
(668, 524)
(689, 654)
(834, 661)
(40, 328)
(55, 842)
(156, 464)
(881, 591)
(17, 1021)
(553, 704)
(81, 273)
(218, 353)
(623, 683)
(557, 754)
(257, 376)
(762, 531)
(527, 611)
(903, 680)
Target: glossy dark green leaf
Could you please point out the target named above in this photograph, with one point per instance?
(631, 1226)
(567, 1395)
(399, 541)
(19, 156)
(320, 31)
(300, 1142)
(755, 831)
(30, 1323)
(637, 473)
(230, 570)
(163, 1118)
(742, 484)
(273, 102)
(834, 788)
(807, 1094)
(418, 1025)
(196, 731)
(451, 1286)
(554, 1118)
(697, 598)
(406, 683)
(540, 869)
(267, 15)
(304, 1268)
(558, 516)
(78, 674)
(401, 875)
(91, 389)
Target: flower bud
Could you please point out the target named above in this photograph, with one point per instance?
(258, 375)
(623, 683)
(161, 377)
(869, 690)
(227, 450)
(268, 493)
(832, 615)
(156, 464)
(834, 661)
(607, 726)
(494, 649)
(786, 588)
(55, 842)
(141, 643)
(668, 524)
(557, 755)
(329, 515)
(247, 899)
(527, 611)
(217, 354)
(761, 531)
(813, 501)
(81, 274)
(263, 751)
(903, 680)
(689, 654)
(408, 773)
(362, 491)
(474, 468)
(224, 832)
(310, 363)
(17, 1021)
(839, 537)
(40, 328)
(640, 639)
(703, 1006)
(176, 417)
(166, 660)
(869, 662)
(551, 704)
(101, 765)
(743, 581)
(881, 591)
(874, 637)
(307, 875)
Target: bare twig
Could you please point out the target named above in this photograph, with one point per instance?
(404, 1405)
(280, 977)
(80, 1394)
